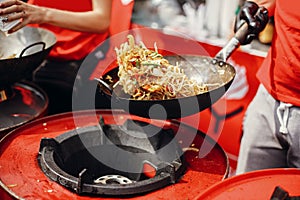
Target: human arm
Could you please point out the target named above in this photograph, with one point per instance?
(96, 21)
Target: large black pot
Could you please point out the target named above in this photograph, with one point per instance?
(22, 52)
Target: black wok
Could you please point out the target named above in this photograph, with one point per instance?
(22, 52)
(214, 72)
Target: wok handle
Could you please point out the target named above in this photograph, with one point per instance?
(34, 44)
(233, 43)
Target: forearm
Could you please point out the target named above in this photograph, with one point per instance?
(80, 21)
(96, 21)
(268, 4)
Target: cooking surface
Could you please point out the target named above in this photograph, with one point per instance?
(255, 185)
(23, 177)
(27, 103)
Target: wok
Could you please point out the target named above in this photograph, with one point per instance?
(22, 52)
(214, 72)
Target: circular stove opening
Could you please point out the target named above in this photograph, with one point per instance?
(98, 162)
(114, 160)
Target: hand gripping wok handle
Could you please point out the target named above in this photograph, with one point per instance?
(233, 43)
(32, 45)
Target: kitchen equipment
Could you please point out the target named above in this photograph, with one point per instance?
(20, 54)
(28, 103)
(133, 157)
(28, 177)
(214, 72)
(259, 184)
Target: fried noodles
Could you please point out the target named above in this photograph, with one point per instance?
(147, 75)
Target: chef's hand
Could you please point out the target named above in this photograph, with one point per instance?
(256, 17)
(18, 10)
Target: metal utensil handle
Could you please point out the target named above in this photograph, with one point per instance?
(103, 83)
(34, 44)
(233, 43)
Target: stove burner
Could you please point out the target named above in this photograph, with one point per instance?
(19, 104)
(127, 159)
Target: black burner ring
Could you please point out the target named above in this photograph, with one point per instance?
(76, 159)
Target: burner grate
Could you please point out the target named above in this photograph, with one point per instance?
(127, 159)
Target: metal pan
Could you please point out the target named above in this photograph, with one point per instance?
(214, 72)
(22, 52)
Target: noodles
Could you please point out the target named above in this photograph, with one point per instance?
(8, 57)
(146, 75)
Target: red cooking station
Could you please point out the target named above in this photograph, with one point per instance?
(41, 170)
(23, 178)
